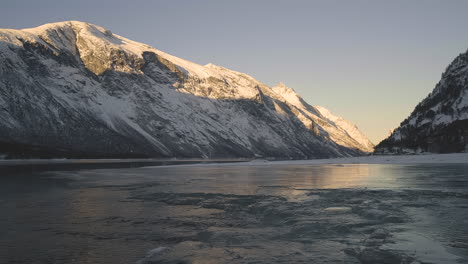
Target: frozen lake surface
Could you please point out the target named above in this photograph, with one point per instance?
(260, 213)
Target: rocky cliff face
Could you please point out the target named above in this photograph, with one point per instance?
(439, 123)
(77, 90)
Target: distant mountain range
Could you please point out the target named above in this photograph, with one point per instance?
(438, 124)
(74, 89)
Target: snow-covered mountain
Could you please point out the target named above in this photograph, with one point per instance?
(346, 131)
(339, 129)
(440, 122)
(76, 89)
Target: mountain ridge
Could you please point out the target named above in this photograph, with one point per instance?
(79, 87)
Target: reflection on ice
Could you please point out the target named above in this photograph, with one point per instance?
(338, 209)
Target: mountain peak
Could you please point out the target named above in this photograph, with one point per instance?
(287, 93)
(281, 84)
(72, 24)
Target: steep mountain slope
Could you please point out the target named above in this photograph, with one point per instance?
(75, 89)
(439, 123)
(337, 128)
(346, 131)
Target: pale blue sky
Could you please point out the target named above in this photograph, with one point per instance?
(368, 61)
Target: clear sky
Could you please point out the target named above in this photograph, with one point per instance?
(368, 61)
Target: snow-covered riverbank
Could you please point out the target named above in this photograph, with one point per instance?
(372, 159)
(453, 158)
(389, 159)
